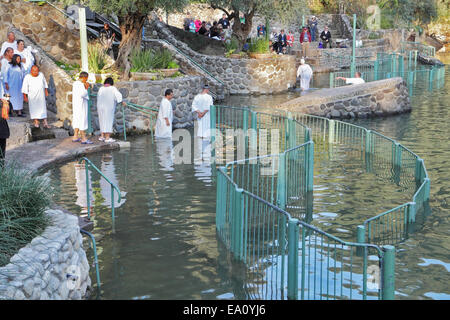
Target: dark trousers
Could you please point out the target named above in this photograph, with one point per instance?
(2, 151)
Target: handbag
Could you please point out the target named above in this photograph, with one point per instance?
(5, 111)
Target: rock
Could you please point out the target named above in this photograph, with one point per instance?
(19, 295)
(28, 287)
(335, 114)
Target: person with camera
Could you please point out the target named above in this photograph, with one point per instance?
(5, 107)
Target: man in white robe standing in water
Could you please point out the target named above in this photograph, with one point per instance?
(80, 97)
(163, 128)
(34, 91)
(201, 105)
(305, 72)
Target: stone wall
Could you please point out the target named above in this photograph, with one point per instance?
(372, 99)
(52, 267)
(150, 94)
(241, 76)
(37, 23)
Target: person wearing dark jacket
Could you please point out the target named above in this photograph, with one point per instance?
(5, 107)
(282, 41)
(325, 36)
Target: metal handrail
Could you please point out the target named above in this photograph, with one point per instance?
(89, 164)
(94, 247)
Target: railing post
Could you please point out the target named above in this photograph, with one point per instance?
(213, 128)
(353, 65)
(124, 124)
(245, 130)
(388, 273)
(293, 235)
(281, 181)
(238, 224)
(412, 212)
(375, 70)
(331, 128)
(310, 173)
(415, 59)
(430, 79)
(361, 238)
(397, 162)
(368, 151)
(113, 217)
(331, 79)
(88, 200)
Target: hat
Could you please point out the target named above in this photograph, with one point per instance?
(205, 86)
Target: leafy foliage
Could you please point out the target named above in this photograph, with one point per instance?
(24, 198)
(259, 45)
(149, 60)
(97, 57)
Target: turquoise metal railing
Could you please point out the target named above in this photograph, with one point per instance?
(256, 200)
(423, 49)
(89, 165)
(94, 249)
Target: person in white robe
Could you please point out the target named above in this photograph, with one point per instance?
(201, 106)
(164, 120)
(5, 64)
(107, 98)
(10, 43)
(13, 83)
(26, 55)
(80, 97)
(34, 91)
(356, 80)
(305, 73)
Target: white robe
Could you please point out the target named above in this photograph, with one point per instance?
(4, 70)
(107, 98)
(165, 111)
(354, 81)
(14, 78)
(35, 87)
(203, 102)
(7, 45)
(305, 72)
(80, 99)
(29, 58)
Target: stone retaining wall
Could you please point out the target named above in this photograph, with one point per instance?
(372, 99)
(37, 23)
(241, 76)
(53, 266)
(150, 94)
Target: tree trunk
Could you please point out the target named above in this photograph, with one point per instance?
(131, 29)
(242, 30)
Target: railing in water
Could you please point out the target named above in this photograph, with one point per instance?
(263, 215)
(89, 165)
(428, 51)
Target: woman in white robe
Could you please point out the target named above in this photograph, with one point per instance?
(13, 83)
(201, 105)
(107, 98)
(34, 91)
(80, 98)
(164, 120)
(26, 55)
(305, 72)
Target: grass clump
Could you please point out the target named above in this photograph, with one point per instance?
(149, 60)
(24, 197)
(97, 57)
(260, 45)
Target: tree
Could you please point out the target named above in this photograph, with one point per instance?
(131, 15)
(285, 11)
(419, 12)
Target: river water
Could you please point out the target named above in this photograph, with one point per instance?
(165, 245)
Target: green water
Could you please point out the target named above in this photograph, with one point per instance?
(165, 245)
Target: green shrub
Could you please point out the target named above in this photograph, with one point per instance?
(97, 57)
(260, 45)
(24, 197)
(231, 45)
(149, 60)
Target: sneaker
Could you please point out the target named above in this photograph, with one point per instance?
(77, 140)
(110, 140)
(87, 142)
(101, 139)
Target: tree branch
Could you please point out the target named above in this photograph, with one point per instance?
(230, 16)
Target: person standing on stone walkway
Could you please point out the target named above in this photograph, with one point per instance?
(305, 73)
(6, 59)
(5, 108)
(305, 39)
(164, 120)
(13, 83)
(201, 106)
(10, 43)
(34, 91)
(107, 98)
(325, 36)
(80, 97)
(313, 27)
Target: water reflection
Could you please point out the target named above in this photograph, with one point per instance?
(80, 177)
(109, 170)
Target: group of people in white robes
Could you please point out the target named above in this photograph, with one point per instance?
(22, 81)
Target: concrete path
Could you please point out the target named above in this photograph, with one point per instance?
(45, 153)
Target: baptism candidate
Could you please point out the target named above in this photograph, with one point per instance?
(201, 105)
(107, 98)
(34, 91)
(305, 73)
(165, 117)
(80, 97)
